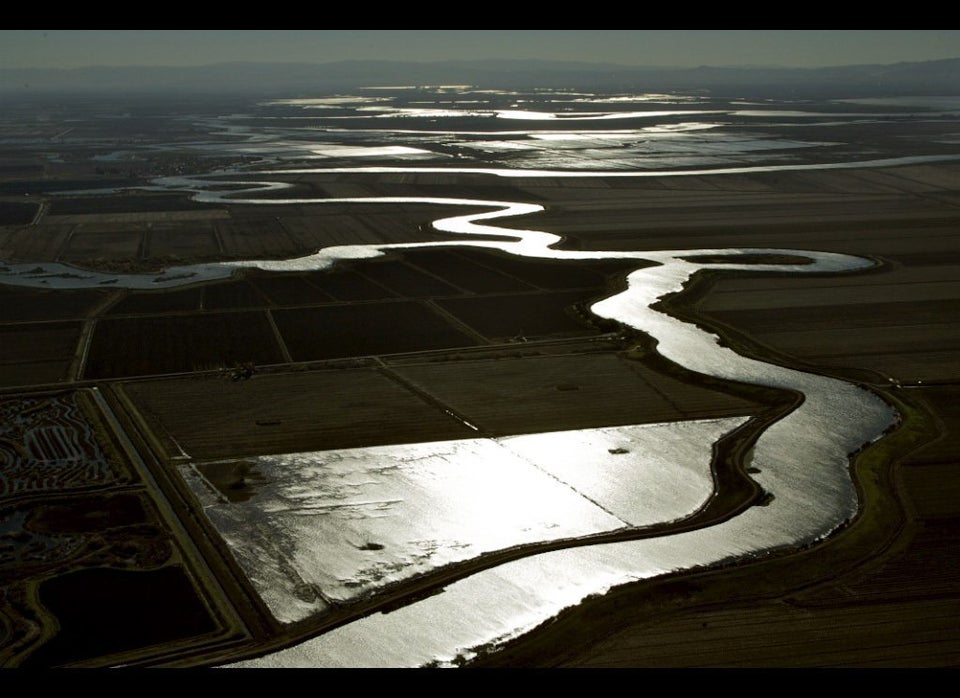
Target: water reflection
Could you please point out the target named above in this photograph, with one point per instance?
(356, 520)
(802, 462)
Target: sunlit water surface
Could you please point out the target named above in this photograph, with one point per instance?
(328, 526)
(333, 526)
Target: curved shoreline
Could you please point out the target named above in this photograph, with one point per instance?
(654, 604)
(835, 419)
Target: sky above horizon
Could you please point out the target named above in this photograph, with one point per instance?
(68, 48)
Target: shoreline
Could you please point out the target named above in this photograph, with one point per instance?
(717, 588)
(646, 605)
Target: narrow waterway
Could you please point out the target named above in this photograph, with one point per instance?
(803, 459)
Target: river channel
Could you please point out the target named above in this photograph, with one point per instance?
(802, 460)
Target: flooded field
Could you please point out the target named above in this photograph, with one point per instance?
(810, 445)
(475, 496)
(329, 527)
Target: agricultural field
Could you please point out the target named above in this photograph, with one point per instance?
(280, 413)
(133, 417)
(17, 212)
(179, 343)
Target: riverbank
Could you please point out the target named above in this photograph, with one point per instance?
(796, 608)
(909, 294)
(882, 591)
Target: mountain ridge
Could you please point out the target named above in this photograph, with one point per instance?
(940, 77)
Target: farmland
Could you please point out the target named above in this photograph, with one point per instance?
(453, 343)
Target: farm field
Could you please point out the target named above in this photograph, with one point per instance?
(455, 343)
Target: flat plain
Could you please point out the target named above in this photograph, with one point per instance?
(431, 344)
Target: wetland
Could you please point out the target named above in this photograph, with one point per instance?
(385, 343)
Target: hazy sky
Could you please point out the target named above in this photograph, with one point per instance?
(28, 48)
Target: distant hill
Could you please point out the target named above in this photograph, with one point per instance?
(941, 77)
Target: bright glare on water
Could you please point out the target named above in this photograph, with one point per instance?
(327, 527)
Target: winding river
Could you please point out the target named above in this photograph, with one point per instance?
(802, 460)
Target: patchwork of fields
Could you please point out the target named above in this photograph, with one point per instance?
(453, 344)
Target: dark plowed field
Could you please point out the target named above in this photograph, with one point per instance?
(158, 302)
(529, 315)
(15, 213)
(346, 285)
(406, 280)
(290, 290)
(128, 203)
(172, 344)
(555, 393)
(292, 412)
(186, 240)
(232, 294)
(23, 305)
(38, 341)
(371, 328)
(464, 273)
